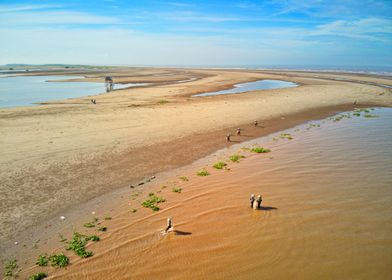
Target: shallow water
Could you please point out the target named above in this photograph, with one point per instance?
(327, 197)
(25, 90)
(258, 85)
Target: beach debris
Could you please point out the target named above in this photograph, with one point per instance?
(62, 218)
(93, 213)
(133, 210)
(94, 101)
(141, 183)
(132, 186)
(152, 177)
(16, 243)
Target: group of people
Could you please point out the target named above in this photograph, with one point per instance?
(255, 203)
(228, 136)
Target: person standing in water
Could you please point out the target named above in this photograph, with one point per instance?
(259, 200)
(252, 199)
(169, 225)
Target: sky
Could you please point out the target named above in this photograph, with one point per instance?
(197, 33)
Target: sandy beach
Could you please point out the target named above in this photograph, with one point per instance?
(71, 157)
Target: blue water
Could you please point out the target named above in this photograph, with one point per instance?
(26, 90)
(258, 85)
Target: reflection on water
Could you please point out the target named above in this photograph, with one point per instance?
(25, 90)
(258, 85)
(327, 212)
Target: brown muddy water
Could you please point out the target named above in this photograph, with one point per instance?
(327, 197)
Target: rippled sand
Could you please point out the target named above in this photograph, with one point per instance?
(327, 213)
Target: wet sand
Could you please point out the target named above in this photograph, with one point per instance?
(323, 215)
(71, 151)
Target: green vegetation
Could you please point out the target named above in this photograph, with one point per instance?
(78, 245)
(370, 116)
(177, 190)
(10, 268)
(107, 218)
(60, 260)
(42, 260)
(38, 276)
(95, 238)
(286, 136)
(89, 225)
(203, 172)
(220, 165)
(163, 102)
(184, 178)
(236, 158)
(152, 202)
(260, 150)
(102, 228)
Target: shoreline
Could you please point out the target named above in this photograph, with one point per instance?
(80, 211)
(116, 203)
(192, 130)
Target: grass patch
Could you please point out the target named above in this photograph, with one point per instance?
(42, 260)
(370, 116)
(89, 225)
(102, 228)
(108, 218)
(60, 260)
(95, 238)
(10, 268)
(184, 178)
(38, 276)
(153, 201)
(203, 172)
(286, 136)
(177, 190)
(260, 150)
(236, 158)
(78, 245)
(220, 165)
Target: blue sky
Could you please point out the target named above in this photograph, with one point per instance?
(285, 32)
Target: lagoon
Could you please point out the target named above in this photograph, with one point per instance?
(27, 90)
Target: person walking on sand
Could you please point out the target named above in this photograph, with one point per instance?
(256, 123)
(169, 225)
(238, 131)
(252, 199)
(228, 137)
(259, 200)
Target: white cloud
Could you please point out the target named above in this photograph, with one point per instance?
(20, 8)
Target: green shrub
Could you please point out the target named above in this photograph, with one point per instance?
(60, 260)
(95, 238)
(177, 190)
(42, 260)
(38, 276)
(107, 218)
(102, 228)
(236, 158)
(184, 178)
(203, 172)
(78, 245)
(260, 150)
(10, 268)
(220, 165)
(151, 203)
(286, 136)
